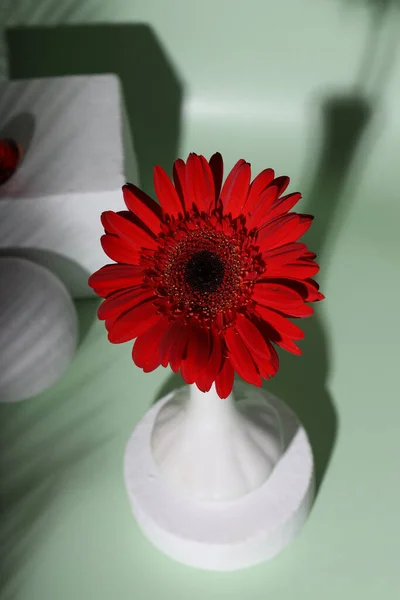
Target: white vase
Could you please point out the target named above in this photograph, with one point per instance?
(219, 484)
(210, 449)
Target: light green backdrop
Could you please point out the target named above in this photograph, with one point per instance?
(298, 86)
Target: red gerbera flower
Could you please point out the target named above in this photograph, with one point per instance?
(9, 158)
(207, 280)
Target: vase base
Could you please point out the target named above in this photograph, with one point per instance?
(228, 535)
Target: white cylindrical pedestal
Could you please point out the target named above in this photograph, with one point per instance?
(38, 329)
(176, 500)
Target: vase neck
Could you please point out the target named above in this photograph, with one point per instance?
(212, 449)
(208, 405)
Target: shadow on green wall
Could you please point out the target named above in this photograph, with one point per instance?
(379, 55)
(346, 119)
(152, 90)
(303, 381)
(32, 472)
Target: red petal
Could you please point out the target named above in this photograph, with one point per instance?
(284, 230)
(258, 215)
(285, 254)
(231, 179)
(166, 192)
(110, 278)
(283, 205)
(259, 210)
(299, 269)
(127, 231)
(281, 183)
(118, 250)
(188, 375)
(118, 303)
(109, 323)
(173, 340)
(274, 358)
(133, 322)
(278, 338)
(199, 182)
(282, 325)
(144, 207)
(298, 311)
(307, 288)
(240, 357)
(276, 295)
(256, 344)
(312, 287)
(266, 368)
(198, 349)
(214, 363)
(168, 340)
(205, 379)
(179, 171)
(145, 352)
(224, 379)
(257, 187)
(251, 336)
(179, 348)
(209, 190)
(289, 346)
(309, 255)
(217, 168)
(236, 188)
(283, 342)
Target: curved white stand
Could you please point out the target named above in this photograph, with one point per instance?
(222, 488)
(38, 329)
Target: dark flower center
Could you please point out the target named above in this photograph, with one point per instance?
(205, 267)
(204, 271)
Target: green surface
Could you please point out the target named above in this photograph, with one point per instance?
(285, 84)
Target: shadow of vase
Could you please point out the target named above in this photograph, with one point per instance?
(303, 381)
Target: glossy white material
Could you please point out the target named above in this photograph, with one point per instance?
(211, 449)
(222, 535)
(38, 329)
(72, 133)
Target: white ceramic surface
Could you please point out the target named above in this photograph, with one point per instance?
(38, 329)
(211, 449)
(222, 535)
(75, 142)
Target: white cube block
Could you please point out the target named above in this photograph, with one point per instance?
(73, 169)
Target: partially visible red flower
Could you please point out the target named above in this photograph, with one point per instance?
(9, 158)
(207, 280)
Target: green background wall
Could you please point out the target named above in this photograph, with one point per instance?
(311, 89)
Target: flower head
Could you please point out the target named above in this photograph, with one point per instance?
(207, 280)
(10, 154)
